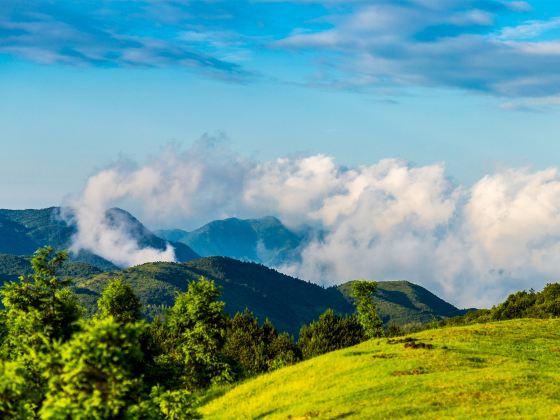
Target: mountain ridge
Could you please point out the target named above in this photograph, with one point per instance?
(264, 240)
(23, 231)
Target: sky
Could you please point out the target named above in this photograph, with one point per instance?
(473, 84)
(419, 135)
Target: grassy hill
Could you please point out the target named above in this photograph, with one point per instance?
(507, 369)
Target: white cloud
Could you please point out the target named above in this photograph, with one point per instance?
(386, 220)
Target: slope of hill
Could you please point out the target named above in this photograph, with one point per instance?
(504, 370)
(405, 303)
(286, 301)
(23, 231)
(13, 266)
(264, 240)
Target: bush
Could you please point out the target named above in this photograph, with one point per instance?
(330, 332)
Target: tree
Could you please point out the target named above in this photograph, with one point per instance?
(283, 351)
(245, 344)
(362, 292)
(41, 311)
(330, 332)
(99, 372)
(41, 302)
(197, 326)
(119, 301)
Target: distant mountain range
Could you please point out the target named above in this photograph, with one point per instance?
(288, 302)
(265, 240)
(23, 231)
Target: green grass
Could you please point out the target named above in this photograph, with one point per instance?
(508, 369)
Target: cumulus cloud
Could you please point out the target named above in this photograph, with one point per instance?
(386, 220)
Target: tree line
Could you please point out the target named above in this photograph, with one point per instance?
(57, 364)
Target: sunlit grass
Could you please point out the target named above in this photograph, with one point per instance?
(498, 370)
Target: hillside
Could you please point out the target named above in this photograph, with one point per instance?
(265, 240)
(12, 266)
(23, 231)
(405, 303)
(286, 301)
(503, 370)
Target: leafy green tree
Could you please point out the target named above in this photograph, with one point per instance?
(283, 351)
(256, 349)
(16, 392)
(51, 307)
(362, 292)
(330, 332)
(197, 326)
(99, 373)
(40, 311)
(119, 301)
(245, 344)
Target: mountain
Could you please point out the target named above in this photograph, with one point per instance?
(265, 240)
(402, 303)
(13, 266)
(23, 231)
(288, 302)
(146, 238)
(503, 370)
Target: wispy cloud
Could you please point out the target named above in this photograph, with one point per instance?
(115, 33)
(497, 47)
(453, 44)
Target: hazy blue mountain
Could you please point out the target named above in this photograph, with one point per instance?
(265, 240)
(23, 231)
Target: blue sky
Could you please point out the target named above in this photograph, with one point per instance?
(474, 84)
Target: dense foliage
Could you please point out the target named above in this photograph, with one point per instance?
(522, 304)
(330, 332)
(57, 364)
(362, 292)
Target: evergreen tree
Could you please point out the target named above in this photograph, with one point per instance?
(245, 344)
(330, 332)
(40, 311)
(41, 302)
(119, 301)
(197, 327)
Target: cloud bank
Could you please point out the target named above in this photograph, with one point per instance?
(385, 220)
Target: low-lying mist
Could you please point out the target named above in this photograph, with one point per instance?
(387, 220)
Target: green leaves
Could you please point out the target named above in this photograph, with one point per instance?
(119, 301)
(99, 373)
(330, 332)
(43, 298)
(197, 324)
(368, 318)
